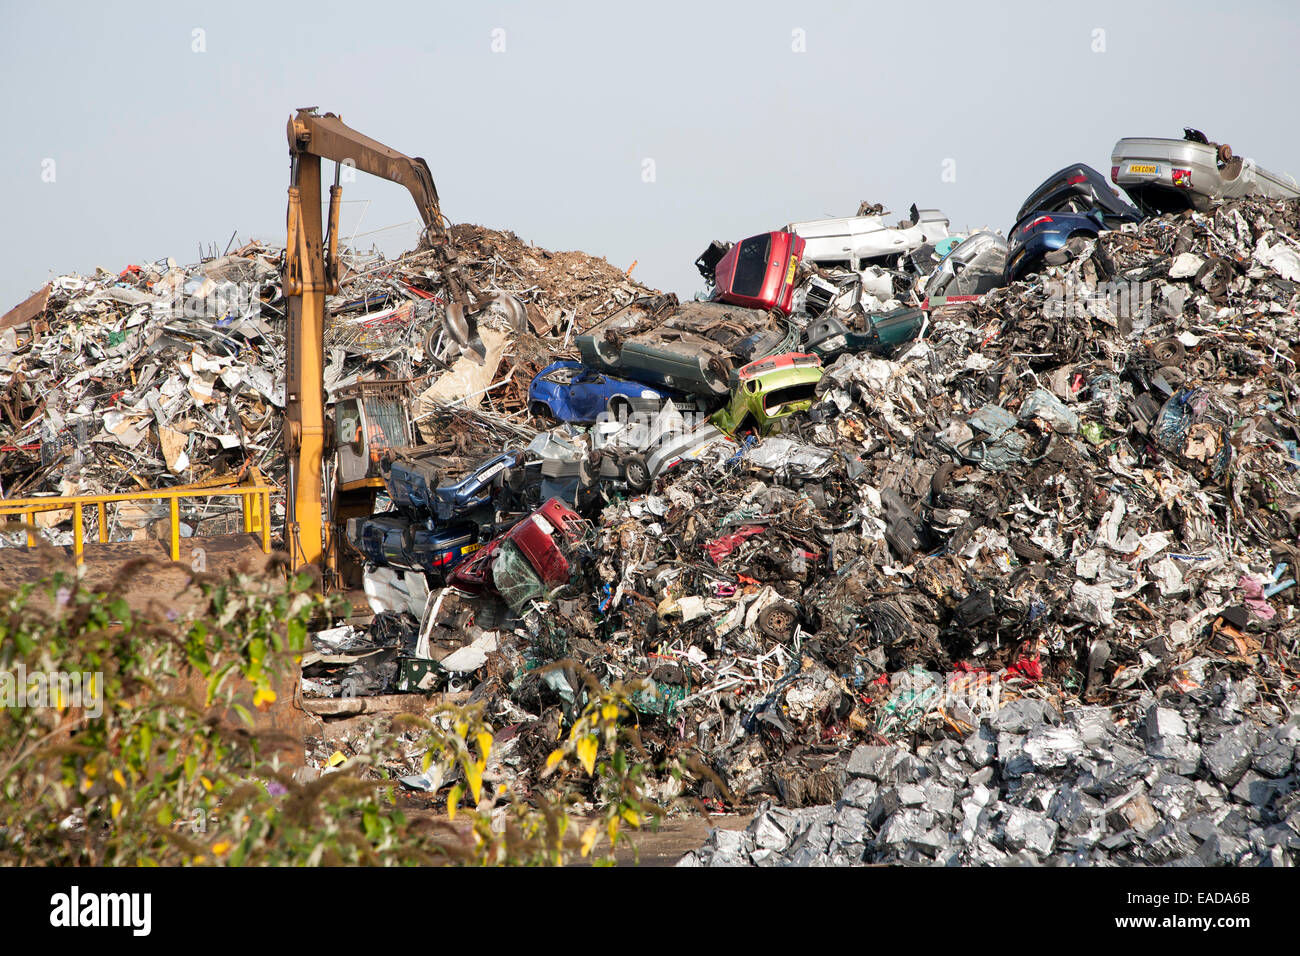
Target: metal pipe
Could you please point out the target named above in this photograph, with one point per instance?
(175, 515)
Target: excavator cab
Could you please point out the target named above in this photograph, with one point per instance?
(371, 419)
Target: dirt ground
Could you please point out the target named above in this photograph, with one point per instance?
(144, 569)
(676, 837)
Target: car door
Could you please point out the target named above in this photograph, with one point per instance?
(588, 394)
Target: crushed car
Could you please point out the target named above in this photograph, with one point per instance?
(427, 480)
(397, 540)
(1170, 175)
(572, 392)
(769, 391)
(973, 267)
(531, 559)
(635, 452)
(684, 346)
(829, 337)
(858, 242)
(1077, 188)
(758, 272)
(1062, 218)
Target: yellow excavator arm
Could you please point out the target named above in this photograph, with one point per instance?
(311, 272)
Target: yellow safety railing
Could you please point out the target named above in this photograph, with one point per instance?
(254, 495)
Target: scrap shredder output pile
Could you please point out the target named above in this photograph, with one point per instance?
(165, 374)
(1002, 576)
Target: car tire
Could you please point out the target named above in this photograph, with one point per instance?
(636, 473)
(539, 410)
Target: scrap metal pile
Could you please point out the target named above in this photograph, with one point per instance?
(1192, 782)
(947, 549)
(165, 374)
(1073, 495)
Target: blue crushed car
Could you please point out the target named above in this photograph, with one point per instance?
(427, 481)
(1074, 203)
(1052, 238)
(574, 392)
(396, 540)
(1078, 188)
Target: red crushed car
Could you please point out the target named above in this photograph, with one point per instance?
(532, 558)
(757, 272)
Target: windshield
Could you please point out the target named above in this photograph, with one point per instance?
(514, 577)
(751, 265)
(775, 400)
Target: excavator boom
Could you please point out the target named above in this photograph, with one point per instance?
(311, 272)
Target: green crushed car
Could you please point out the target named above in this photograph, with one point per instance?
(765, 392)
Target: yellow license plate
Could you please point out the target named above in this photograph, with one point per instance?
(1143, 168)
(789, 273)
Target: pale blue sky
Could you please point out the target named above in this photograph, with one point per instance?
(157, 148)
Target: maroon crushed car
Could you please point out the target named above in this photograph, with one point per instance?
(532, 558)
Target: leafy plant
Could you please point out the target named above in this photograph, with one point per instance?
(176, 769)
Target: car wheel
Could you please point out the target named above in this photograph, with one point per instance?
(779, 620)
(539, 410)
(636, 474)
